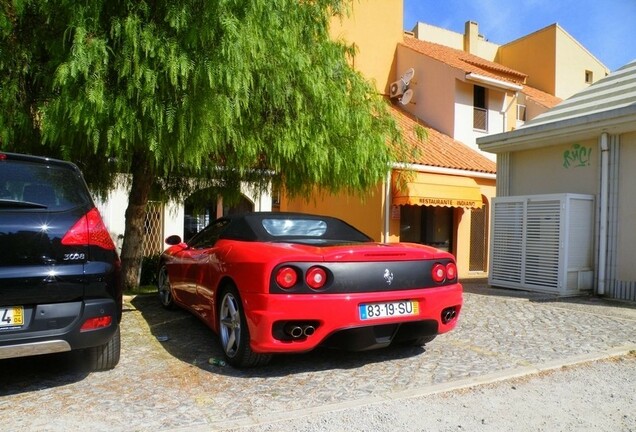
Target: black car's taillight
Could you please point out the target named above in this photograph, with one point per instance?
(89, 230)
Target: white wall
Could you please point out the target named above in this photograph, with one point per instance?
(433, 86)
(113, 211)
(464, 130)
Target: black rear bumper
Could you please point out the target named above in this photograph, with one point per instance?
(50, 328)
(379, 336)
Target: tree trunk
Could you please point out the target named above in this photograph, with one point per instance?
(132, 249)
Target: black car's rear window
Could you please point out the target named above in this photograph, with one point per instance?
(53, 187)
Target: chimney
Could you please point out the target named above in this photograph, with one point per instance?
(471, 37)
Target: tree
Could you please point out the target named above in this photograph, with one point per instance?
(218, 91)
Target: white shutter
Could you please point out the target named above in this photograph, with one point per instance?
(543, 243)
(507, 236)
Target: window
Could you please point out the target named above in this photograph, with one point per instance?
(521, 113)
(295, 227)
(589, 77)
(209, 235)
(480, 111)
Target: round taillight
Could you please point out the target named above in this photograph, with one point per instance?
(439, 273)
(316, 277)
(286, 277)
(451, 271)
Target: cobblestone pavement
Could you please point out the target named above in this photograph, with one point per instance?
(164, 380)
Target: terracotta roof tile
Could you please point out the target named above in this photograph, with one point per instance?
(541, 97)
(469, 63)
(438, 149)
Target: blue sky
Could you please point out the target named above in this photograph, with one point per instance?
(607, 28)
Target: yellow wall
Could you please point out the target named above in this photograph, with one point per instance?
(365, 213)
(547, 170)
(553, 60)
(574, 60)
(534, 55)
(626, 270)
(375, 27)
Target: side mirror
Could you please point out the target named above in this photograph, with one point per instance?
(173, 240)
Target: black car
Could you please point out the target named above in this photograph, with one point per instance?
(60, 281)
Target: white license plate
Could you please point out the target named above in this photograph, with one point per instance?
(12, 316)
(386, 310)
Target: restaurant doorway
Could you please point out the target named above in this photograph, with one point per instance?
(433, 226)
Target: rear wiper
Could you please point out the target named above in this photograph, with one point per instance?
(4, 203)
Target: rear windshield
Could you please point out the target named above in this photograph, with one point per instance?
(35, 185)
(312, 230)
(295, 227)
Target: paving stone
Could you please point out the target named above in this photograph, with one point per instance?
(164, 380)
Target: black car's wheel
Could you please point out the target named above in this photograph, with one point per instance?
(233, 332)
(164, 289)
(105, 357)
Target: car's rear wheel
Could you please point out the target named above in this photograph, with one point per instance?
(233, 332)
(106, 356)
(164, 289)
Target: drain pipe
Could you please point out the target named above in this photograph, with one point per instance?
(387, 207)
(604, 199)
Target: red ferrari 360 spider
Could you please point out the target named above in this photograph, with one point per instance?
(271, 283)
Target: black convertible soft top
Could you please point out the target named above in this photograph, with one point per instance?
(291, 228)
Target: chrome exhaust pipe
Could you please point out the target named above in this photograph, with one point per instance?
(309, 330)
(448, 314)
(293, 330)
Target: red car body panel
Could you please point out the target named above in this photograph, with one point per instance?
(335, 312)
(196, 275)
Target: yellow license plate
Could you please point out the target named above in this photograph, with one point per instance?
(12, 316)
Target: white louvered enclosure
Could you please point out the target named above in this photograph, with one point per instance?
(543, 243)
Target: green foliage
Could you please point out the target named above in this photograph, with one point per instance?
(190, 94)
(149, 269)
(222, 91)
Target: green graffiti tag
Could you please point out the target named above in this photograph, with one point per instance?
(577, 156)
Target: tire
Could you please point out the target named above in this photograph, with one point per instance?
(105, 357)
(234, 335)
(164, 289)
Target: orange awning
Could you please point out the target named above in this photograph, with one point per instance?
(426, 189)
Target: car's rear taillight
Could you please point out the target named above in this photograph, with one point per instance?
(286, 277)
(316, 277)
(89, 230)
(438, 273)
(451, 271)
(96, 323)
(441, 272)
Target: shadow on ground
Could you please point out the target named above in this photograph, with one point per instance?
(188, 339)
(21, 375)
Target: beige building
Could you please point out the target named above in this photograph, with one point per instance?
(566, 195)
(439, 198)
(465, 96)
(552, 59)
(453, 87)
